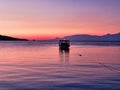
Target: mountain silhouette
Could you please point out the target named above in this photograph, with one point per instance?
(8, 38)
(79, 37)
(86, 37)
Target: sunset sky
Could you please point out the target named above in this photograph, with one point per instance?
(46, 19)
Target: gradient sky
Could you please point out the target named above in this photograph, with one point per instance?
(45, 19)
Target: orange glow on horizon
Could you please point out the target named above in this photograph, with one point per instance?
(65, 19)
(38, 37)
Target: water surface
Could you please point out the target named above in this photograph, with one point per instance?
(42, 66)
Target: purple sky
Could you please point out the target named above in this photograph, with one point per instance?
(57, 18)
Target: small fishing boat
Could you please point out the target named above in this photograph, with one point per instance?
(64, 44)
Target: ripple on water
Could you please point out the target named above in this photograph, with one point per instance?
(52, 77)
(27, 67)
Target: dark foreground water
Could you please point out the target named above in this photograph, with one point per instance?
(42, 66)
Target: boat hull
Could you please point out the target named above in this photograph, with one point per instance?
(64, 44)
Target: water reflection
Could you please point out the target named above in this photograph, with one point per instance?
(64, 56)
(26, 66)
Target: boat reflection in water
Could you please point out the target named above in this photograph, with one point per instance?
(64, 56)
(64, 51)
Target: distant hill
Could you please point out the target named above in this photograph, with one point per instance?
(86, 37)
(8, 38)
(79, 37)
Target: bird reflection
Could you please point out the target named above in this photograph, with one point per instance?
(64, 56)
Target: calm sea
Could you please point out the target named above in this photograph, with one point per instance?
(33, 65)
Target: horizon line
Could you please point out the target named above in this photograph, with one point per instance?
(57, 37)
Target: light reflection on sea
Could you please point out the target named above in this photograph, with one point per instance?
(42, 66)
